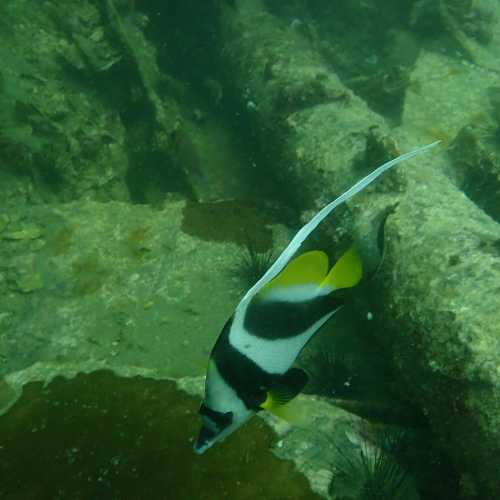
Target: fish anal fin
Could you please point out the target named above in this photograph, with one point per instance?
(346, 272)
(285, 388)
(295, 412)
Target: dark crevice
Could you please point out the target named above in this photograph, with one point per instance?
(475, 159)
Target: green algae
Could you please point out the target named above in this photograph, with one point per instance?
(89, 274)
(137, 241)
(253, 264)
(62, 240)
(229, 221)
(99, 435)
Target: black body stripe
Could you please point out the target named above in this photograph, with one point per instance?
(221, 419)
(248, 379)
(281, 319)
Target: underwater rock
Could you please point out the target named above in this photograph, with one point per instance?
(102, 435)
(443, 285)
(22, 273)
(121, 282)
(438, 312)
(312, 125)
(26, 233)
(142, 55)
(464, 23)
(59, 135)
(4, 222)
(476, 158)
(95, 106)
(86, 112)
(445, 95)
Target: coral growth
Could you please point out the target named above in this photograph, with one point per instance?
(229, 221)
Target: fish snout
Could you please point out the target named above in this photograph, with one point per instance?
(206, 438)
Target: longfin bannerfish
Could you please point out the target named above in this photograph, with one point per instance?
(251, 365)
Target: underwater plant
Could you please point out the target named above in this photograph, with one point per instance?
(253, 263)
(372, 470)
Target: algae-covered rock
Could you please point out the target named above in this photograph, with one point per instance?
(99, 435)
(476, 158)
(445, 95)
(124, 283)
(299, 105)
(464, 24)
(61, 136)
(441, 286)
(442, 283)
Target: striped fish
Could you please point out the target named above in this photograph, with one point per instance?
(251, 365)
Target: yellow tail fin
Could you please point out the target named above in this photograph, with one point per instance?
(346, 272)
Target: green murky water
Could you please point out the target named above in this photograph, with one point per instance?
(157, 156)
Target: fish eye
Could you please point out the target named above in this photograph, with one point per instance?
(228, 418)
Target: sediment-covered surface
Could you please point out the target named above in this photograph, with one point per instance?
(123, 283)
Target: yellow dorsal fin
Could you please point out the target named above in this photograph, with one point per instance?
(346, 272)
(310, 267)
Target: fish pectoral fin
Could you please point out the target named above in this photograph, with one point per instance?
(285, 388)
(346, 272)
